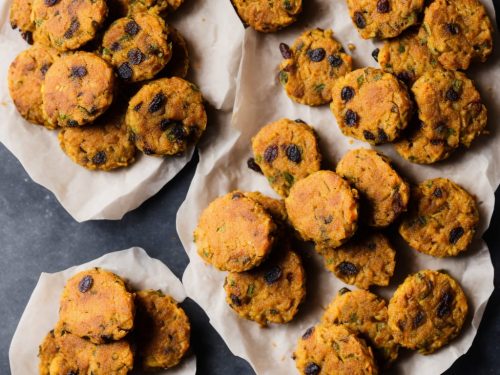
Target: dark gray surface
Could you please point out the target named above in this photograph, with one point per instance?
(37, 235)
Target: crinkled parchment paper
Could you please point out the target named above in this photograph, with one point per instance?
(215, 51)
(42, 311)
(259, 100)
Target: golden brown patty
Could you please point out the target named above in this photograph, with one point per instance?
(77, 89)
(162, 330)
(95, 304)
(458, 32)
(449, 107)
(371, 105)
(311, 66)
(323, 208)
(166, 116)
(137, 46)
(385, 193)
(333, 349)
(366, 314)
(20, 18)
(270, 293)
(442, 218)
(26, 75)
(67, 24)
(234, 233)
(384, 18)
(427, 311)
(268, 16)
(286, 151)
(104, 145)
(368, 259)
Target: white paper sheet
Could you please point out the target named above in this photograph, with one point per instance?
(42, 311)
(260, 99)
(214, 37)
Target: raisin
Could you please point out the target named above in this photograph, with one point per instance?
(347, 93)
(138, 107)
(148, 151)
(316, 55)
(436, 142)
(51, 3)
(293, 153)
(452, 28)
(335, 60)
(135, 56)
(312, 369)
(351, 118)
(344, 291)
(383, 6)
(235, 300)
(73, 27)
(72, 123)
(375, 53)
(308, 333)
(253, 165)
(419, 319)
(132, 28)
(347, 269)
(78, 71)
(456, 234)
(99, 158)
(237, 196)
(438, 193)
(401, 325)
(368, 135)
(27, 36)
(166, 123)
(359, 20)
(71, 372)
(271, 153)
(286, 52)
(44, 68)
(177, 132)
(115, 46)
(85, 284)
(444, 306)
(452, 95)
(300, 121)
(382, 135)
(157, 102)
(273, 275)
(125, 71)
(404, 77)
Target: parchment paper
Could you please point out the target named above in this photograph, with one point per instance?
(42, 311)
(215, 51)
(260, 99)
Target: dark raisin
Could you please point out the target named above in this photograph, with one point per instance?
(401, 325)
(368, 135)
(452, 28)
(359, 20)
(456, 234)
(148, 151)
(235, 300)
(348, 269)
(71, 372)
(382, 135)
(78, 71)
(157, 102)
(73, 28)
(132, 28)
(316, 55)
(445, 302)
(135, 56)
(286, 52)
(99, 158)
(138, 107)
(438, 193)
(300, 121)
(271, 153)
(253, 165)
(85, 284)
(27, 36)
(452, 95)
(335, 60)
(441, 127)
(125, 71)
(115, 46)
(344, 291)
(177, 132)
(293, 153)
(419, 319)
(312, 369)
(405, 77)
(237, 196)
(44, 68)
(166, 123)
(375, 53)
(72, 123)
(351, 118)
(347, 93)
(383, 6)
(436, 142)
(51, 3)
(308, 333)
(273, 275)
